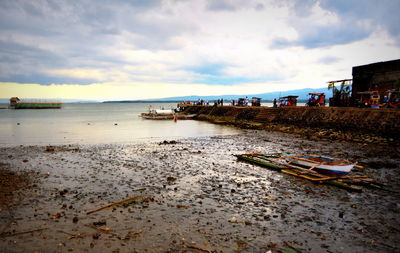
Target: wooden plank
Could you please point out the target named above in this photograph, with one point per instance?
(331, 182)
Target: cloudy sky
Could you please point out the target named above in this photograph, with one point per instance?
(121, 49)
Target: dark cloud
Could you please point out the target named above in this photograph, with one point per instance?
(303, 7)
(26, 18)
(316, 37)
(156, 33)
(43, 35)
(382, 12)
(259, 7)
(22, 63)
(220, 5)
(140, 4)
(25, 55)
(353, 17)
(44, 79)
(83, 19)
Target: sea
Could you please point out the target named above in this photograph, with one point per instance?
(98, 123)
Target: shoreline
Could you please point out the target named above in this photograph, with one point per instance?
(312, 133)
(199, 198)
(335, 123)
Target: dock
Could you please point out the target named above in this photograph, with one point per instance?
(382, 122)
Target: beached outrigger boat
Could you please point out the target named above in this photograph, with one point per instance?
(166, 115)
(323, 164)
(290, 164)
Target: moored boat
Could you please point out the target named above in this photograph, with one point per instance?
(165, 115)
(323, 164)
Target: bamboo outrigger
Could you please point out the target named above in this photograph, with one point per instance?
(283, 164)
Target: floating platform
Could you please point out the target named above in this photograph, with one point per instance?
(40, 105)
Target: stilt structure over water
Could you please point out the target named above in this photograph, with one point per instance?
(16, 103)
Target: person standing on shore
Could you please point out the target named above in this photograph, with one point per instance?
(275, 105)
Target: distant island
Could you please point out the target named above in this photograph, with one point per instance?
(265, 97)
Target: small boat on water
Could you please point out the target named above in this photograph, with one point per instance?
(165, 115)
(323, 164)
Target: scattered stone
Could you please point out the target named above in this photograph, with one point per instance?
(165, 142)
(96, 236)
(49, 149)
(171, 179)
(100, 223)
(63, 192)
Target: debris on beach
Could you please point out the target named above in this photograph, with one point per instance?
(205, 201)
(126, 202)
(49, 149)
(165, 142)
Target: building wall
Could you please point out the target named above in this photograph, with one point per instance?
(379, 76)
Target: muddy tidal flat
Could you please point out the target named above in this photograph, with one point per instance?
(192, 195)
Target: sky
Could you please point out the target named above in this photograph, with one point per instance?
(143, 49)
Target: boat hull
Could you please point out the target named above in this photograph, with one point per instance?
(322, 164)
(153, 116)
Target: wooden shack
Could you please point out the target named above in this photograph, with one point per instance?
(380, 77)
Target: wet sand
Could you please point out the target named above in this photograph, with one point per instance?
(192, 195)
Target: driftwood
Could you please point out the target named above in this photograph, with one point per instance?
(338, 177)
(327, 180)
(198, 248)
(8, 234)
(73, 236)
(134, 198)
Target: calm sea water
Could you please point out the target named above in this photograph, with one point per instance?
(97, 124)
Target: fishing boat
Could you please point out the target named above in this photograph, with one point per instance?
(284, 163)
(323, 164)
(165, 115)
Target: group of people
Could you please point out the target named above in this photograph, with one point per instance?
(219, 102)
(202, 102)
